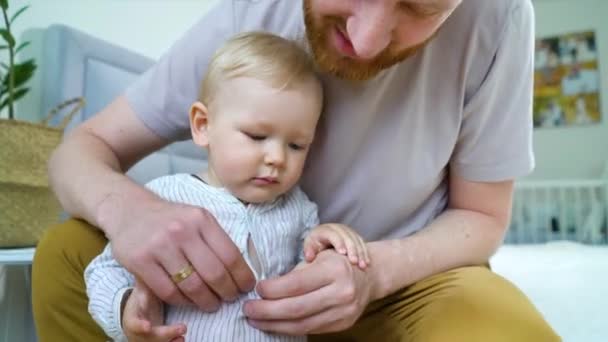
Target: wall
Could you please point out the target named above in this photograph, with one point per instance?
(146, 26)
(575, 152)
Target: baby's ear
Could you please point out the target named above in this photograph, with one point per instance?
(199, 124)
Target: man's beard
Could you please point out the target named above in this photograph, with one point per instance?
(342, 67)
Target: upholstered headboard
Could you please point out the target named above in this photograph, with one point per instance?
(77, 64)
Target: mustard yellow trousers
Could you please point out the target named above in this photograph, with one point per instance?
(466, 304)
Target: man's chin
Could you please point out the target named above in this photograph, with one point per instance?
(351, 74)
(353, 70)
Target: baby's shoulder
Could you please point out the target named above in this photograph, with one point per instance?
(168, 181)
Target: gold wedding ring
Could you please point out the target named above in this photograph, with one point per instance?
(182, 274)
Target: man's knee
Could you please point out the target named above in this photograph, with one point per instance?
(479, 305)
(58, 290)
(68, 246)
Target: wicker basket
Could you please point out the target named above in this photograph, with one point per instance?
(27, 204)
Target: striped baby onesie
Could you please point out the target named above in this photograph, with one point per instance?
(276, 229)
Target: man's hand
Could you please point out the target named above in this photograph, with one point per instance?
(326, 295)
(162, 238)
(142, 318)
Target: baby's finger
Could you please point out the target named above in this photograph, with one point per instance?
(136, 325)
(368, 259)
(311, 248)
(350, 245)
(362, 250)
(329, 237)
(144, 296)
(360, 247)
(168, 332)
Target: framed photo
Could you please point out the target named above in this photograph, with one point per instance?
(567, 81)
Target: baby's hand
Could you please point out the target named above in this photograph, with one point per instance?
(142, 318)
(342, 238)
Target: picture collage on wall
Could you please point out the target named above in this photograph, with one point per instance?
(567, 81)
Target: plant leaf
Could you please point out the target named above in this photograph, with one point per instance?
(18, 13)
(22, 73)
(4, 4)
(21, 46)
(18, 94)
(8, 37)
(4, 65)
(3, 47)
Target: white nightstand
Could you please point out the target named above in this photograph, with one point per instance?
(19, 325)
(17, 256)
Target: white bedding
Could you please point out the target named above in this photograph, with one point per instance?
(568, 282)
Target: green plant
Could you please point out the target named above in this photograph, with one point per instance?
(14, 75)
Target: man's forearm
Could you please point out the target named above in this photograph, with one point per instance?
(93, 182)
(456, 238)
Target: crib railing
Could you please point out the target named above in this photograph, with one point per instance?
(559, 210)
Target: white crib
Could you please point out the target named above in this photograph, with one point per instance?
(548, 210)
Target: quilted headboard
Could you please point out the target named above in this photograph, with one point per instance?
(77, 64)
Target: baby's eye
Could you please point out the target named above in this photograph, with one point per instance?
(297, 147)
(256, 137)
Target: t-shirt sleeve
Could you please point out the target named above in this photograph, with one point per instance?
(162, 96)
(495, 139)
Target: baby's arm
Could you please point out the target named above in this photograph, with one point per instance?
(122, 307)
(339, 237)
(107, 282)
(143, 319)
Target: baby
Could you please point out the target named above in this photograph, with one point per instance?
(256, 115)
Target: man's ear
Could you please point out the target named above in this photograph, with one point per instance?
(199, 124)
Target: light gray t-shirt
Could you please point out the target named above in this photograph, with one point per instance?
(384, 147)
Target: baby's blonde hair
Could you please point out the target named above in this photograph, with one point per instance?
(260, 55)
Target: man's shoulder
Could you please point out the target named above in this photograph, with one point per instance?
(475, 31)
(490, 13)
(282, 17)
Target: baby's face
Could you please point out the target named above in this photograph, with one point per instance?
(259, 136)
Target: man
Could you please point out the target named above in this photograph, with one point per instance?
(427, 121)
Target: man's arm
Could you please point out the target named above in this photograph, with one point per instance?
(152, 238)
(94, 156)
(467, 233)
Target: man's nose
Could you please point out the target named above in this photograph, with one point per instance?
(370, 29)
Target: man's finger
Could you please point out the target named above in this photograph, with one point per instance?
(195, 288)
(228, 253)
(325, 322)
(211, 270)
(291, 308)
(157, 279)
(295, 283)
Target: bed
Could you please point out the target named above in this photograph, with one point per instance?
(556, 251)
(567, 281)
